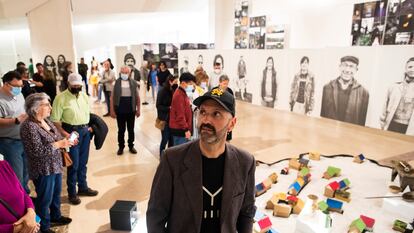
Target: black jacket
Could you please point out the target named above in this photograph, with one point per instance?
(164, 99)
(100, 130)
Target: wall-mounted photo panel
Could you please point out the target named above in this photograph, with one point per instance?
(347, 84)
(169, 54)
(368, 23)
(305, 73)
(241, 26)
(393, 105)
(400, 22)
(151, 53)
(257, 32)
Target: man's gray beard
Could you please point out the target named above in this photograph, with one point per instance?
(213, 138)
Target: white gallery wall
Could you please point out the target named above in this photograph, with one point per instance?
(378, 69)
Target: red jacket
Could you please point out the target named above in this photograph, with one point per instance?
(181, 115)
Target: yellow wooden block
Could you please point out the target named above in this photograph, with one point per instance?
(270, 205)
(301, 181)
(329, 192)
(314, 155)
(282, 210)
(273, 177)
(294, 164)
(281, 196)
(298, 207)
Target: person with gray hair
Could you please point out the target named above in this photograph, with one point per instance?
(43, 146)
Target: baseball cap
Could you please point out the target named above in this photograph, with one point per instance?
(75, 79)
(224, 98)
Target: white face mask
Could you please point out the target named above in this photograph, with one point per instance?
(217, 71)
(124, 77)
(203, 85)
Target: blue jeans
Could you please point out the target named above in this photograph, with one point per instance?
(100, 89)
(79, 155)
(13, 152)
(179, 140)
(48, 189)
(166, 137)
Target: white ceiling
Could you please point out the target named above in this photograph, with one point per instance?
(13, 12)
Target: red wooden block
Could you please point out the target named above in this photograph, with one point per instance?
(369, 222)
(334, 185)
(292, 198)
(264, 223)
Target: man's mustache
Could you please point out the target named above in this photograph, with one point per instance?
(208, 126)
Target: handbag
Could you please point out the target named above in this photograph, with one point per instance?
(9, 208)
(66, 160)
(160, 124)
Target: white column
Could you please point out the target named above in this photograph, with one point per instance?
(223, 23)
(50, 27)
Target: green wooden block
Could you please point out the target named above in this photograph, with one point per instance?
(323, 206)
(347, 182)
(304, 171)
(359, 224)
(332, 171)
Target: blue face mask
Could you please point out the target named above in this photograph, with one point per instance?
(15, 91)
(189, 88)
(124, 77)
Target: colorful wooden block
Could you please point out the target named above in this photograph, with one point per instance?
(303, 162)
(292, 199)
(334, 204)
(297, 208)
(323, 206)
(369, 222)
(344, 183)
(359, 158)
(334, 185)
(294, 164)
(399, 225)
(329, 192)
(282, 210)
(343, 195)
(260, 189)
(265, 224)
(258, 215)
(270, 204)
(314, 156)
(303, 172)
(267, 183)
(331, 172)
(358, 224)
(273, 177)
(281, 196)
(285, 171)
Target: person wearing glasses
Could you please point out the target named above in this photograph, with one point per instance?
(12, 113)
(43, 146)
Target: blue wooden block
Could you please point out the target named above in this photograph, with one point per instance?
(361, 157)
(259, 187)
(342, 184)
(296, 186)
(258, 215)
(334, 204)
(272, 231)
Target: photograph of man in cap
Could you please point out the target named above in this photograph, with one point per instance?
(205, 185)
(184, 69)
(343, 98)
(218, 65)
(130, 61)
(398, 114)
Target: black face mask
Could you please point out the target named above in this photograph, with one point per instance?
(174, 86)
(75, 90)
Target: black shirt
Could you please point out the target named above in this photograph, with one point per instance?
(162, 76)
(213, 172)
(343, 99)
(38, 78)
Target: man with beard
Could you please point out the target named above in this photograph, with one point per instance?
(205, 185)
(398, 115)
(129, 60)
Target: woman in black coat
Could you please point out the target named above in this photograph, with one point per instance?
(163, 105)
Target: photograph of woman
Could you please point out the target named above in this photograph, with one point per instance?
(302, 89)
(269, 84)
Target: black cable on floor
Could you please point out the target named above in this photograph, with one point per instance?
(325, 156)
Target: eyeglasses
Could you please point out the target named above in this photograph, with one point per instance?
(46, 105)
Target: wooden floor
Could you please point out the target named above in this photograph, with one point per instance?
(268, 134)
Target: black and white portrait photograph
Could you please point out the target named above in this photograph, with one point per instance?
(130, 61)
(269, 84)
(218, 70)
(50, 66)
(61, 63)
(184, 68)
(398, 112)
(344, 98)
(242, 82)
(302, 90)
(151, 53)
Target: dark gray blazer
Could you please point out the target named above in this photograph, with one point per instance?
(176, 200)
